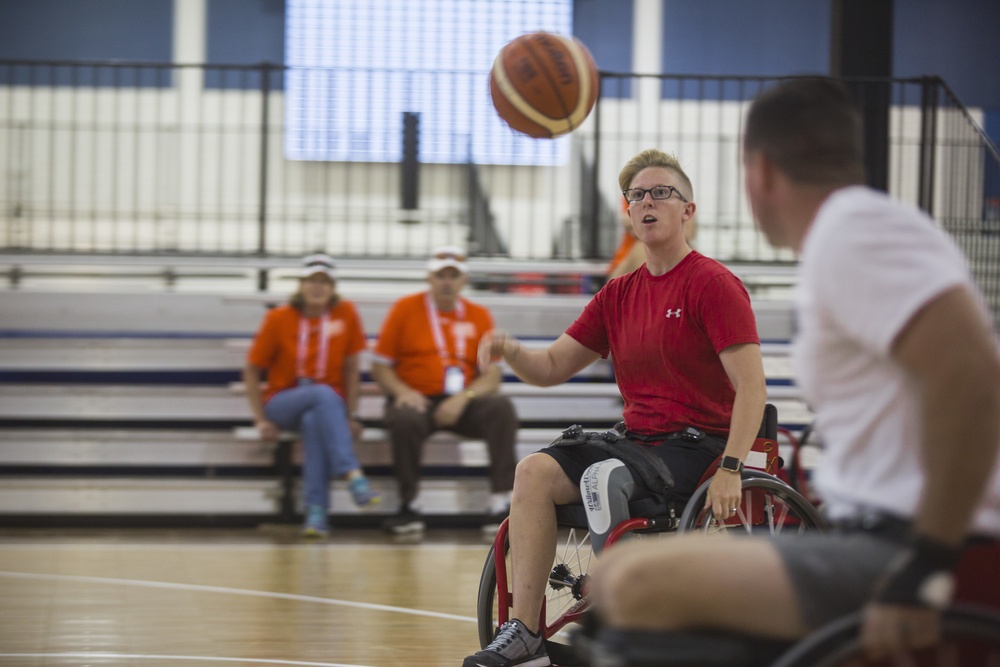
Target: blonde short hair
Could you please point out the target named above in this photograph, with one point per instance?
(651, 157)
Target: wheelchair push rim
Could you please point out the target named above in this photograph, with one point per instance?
(769, 506)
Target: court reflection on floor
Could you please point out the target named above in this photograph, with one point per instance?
(146, 597)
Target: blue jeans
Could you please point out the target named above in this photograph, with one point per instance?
(319, 414)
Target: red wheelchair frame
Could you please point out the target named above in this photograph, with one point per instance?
(761, 486)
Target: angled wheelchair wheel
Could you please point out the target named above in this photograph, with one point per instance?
(563, 595)
(769, 506)
(971, 638)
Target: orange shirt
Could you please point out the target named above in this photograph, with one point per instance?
(624, 248)
(276, 346)
(625, 245)
(406, 342)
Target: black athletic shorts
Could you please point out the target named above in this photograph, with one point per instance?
(687, 461)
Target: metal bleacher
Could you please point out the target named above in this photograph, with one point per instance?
(125, 408)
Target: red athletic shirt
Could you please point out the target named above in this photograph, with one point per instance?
(276, 346)
(664, 334)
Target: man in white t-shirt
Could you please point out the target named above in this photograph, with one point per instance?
(897, 356)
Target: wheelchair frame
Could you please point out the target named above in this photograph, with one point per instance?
(758, 510)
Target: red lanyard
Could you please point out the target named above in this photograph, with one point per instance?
(460, 343)
(303, 347)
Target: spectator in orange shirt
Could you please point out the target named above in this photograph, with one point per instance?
(425, 363)
(309, 350)
(630, 254)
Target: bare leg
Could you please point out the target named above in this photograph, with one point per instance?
(697, 581)
(539, 485)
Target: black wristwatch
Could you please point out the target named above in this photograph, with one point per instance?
(731, 464)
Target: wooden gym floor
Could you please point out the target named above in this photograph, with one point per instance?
(207, 598)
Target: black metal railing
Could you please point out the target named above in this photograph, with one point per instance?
(154, 159)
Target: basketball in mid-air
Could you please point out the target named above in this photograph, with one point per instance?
(543, 84)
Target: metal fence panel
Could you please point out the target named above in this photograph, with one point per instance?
(145, 159)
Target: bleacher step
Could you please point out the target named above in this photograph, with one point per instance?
(69, 496)
(97, 403)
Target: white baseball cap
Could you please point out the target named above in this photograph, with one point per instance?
(318, 263)
(445, 256)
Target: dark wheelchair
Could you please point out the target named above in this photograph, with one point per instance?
(970, 628)
(769, 505)
(970, 635)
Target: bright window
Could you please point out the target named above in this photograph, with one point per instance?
(357, 67)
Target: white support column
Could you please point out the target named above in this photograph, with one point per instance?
(189, 31)
(647, 32)
(647, 50)
(647, 46)
(180, 170)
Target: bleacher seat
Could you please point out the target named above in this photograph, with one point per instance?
(144, 419)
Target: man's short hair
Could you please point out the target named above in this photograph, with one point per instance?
(811, 129)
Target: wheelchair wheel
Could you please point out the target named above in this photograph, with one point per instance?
(566, 582)
(971, 638)
(769, 506)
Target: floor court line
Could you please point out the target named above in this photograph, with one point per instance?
(236, 591)
(140, 656)
(159, 546)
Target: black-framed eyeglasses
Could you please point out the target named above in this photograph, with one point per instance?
(636, 195)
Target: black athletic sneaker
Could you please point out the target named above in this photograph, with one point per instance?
(406, 521)
(514, 646)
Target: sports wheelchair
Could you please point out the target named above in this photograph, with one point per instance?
(769, 504)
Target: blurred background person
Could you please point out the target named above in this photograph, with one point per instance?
(425, 363)
(630, 254)
(309, 351)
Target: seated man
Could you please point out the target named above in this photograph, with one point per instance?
(425, 363)
(681, 335)
(897, 357)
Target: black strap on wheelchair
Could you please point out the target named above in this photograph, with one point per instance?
(648, 469)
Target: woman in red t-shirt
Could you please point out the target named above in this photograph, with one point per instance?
(309, 350)
(682, 338)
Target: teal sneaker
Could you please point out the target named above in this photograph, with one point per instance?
(316, 525)
(362, 492)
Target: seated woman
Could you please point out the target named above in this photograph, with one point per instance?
(309, 349)
(681, 335)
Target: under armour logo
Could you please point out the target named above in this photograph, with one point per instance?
(673, 313)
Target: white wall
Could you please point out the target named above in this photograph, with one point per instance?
(142, 169)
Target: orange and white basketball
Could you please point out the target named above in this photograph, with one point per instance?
(543, 84)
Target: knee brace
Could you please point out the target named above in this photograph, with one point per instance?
(606, 488)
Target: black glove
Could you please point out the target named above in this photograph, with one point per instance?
(920, 576)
